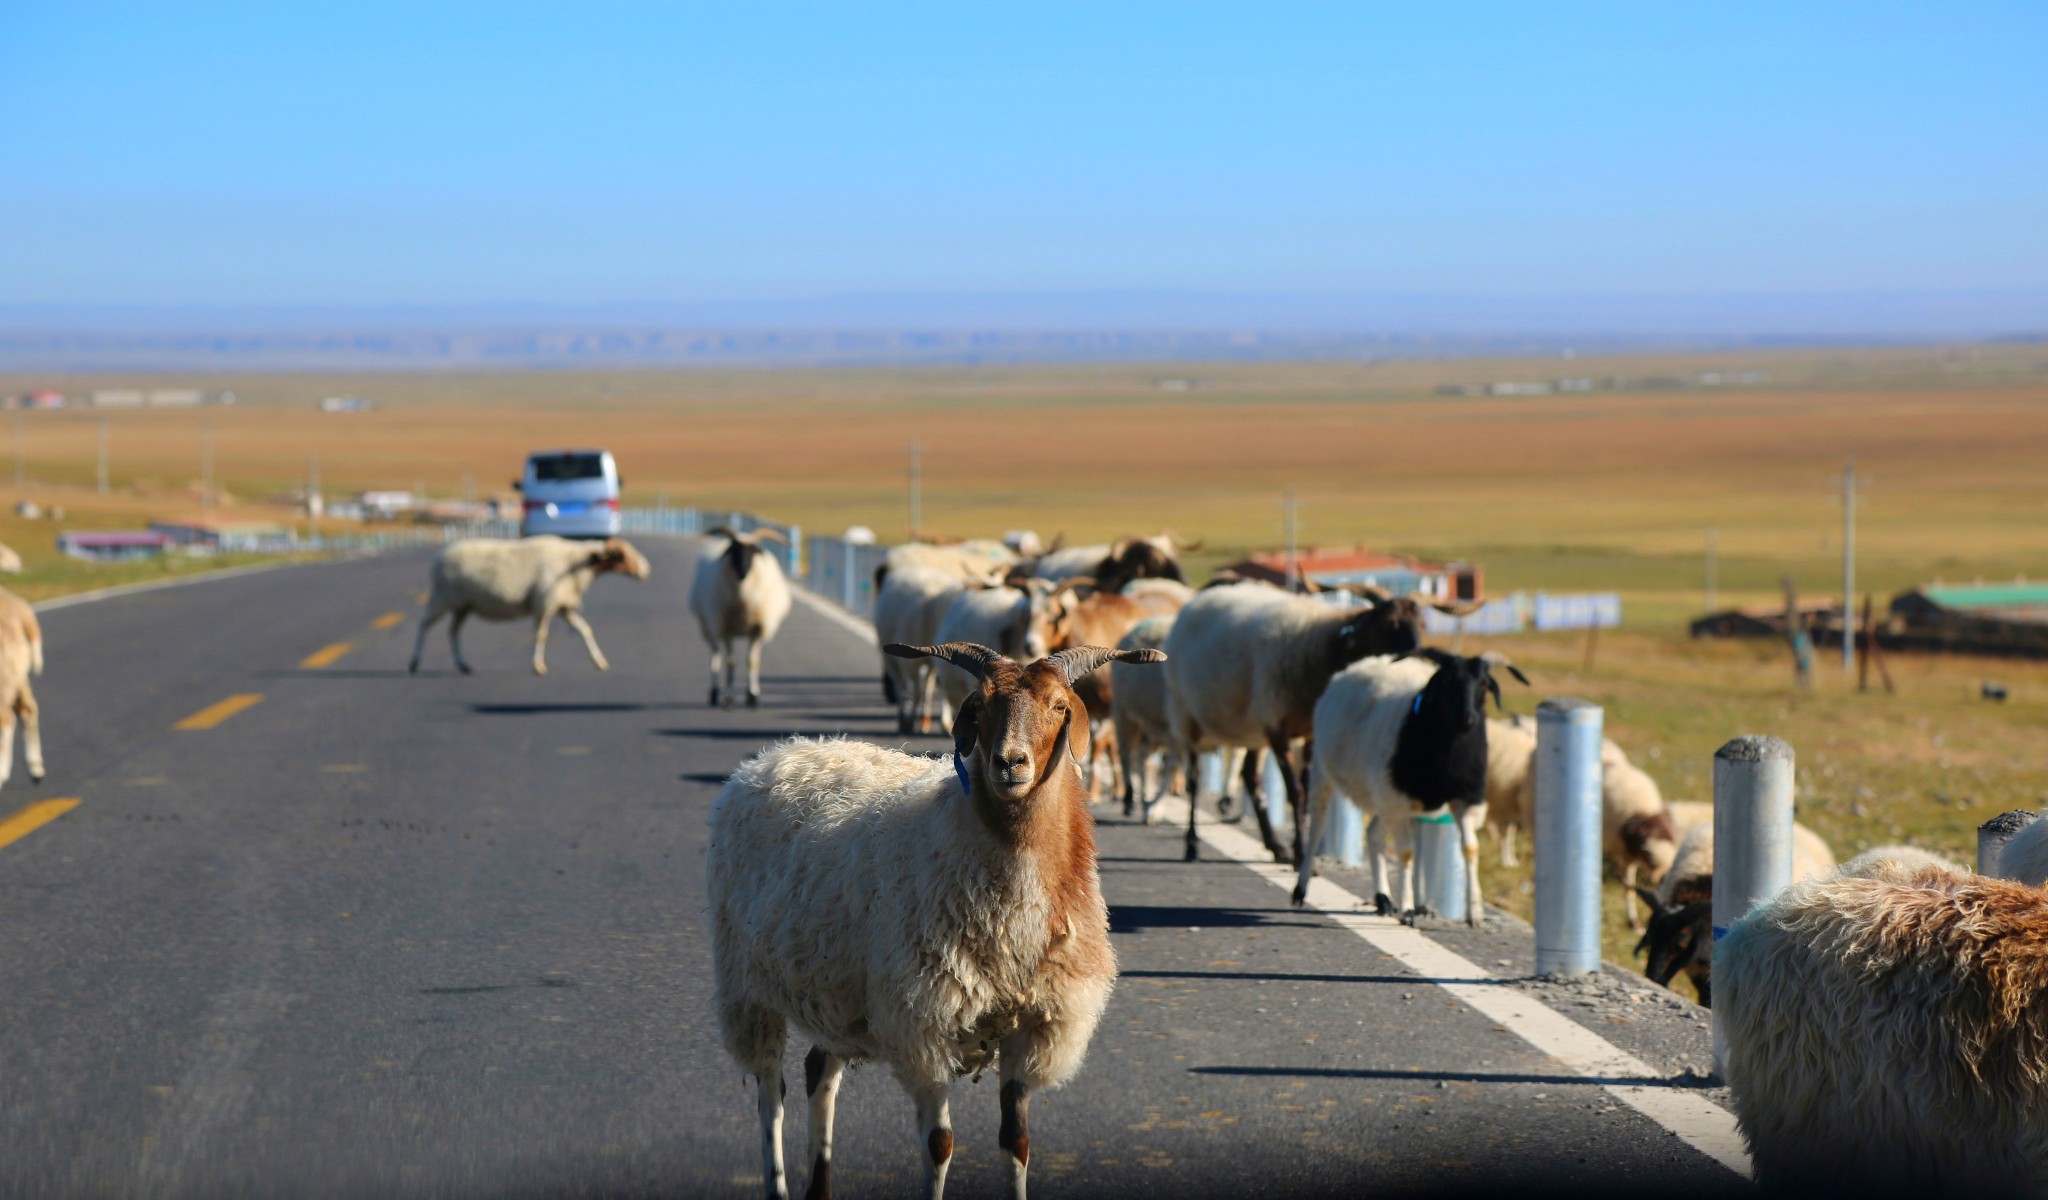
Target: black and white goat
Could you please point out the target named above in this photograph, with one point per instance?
(739, 592)
(1400, 735)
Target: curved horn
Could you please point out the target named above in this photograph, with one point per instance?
(968, 656)
(765, 534)
(1058, 542)
(1499, 662)
(726, 532)
(1465, 609)
(1371, 591)
(1178, 542)
(1076, 661)
(1119, 546)
(1073, 583)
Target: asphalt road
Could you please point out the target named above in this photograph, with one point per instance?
(384, 935)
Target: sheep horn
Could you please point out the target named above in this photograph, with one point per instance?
(1499, 662)
(1372, 592)
(1178, 542)
(765, 534)
(968, 656)
(1073, 583)
(1076, 661)
(1058, 543)
(1459, 610)
(726, 532)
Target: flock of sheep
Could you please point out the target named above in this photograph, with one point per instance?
(943, 916)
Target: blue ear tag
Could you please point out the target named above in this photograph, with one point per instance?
(1417, 707)
(960, 771)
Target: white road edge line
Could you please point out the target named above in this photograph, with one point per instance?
(1702, 1124)
(837, 615)
(151, 585)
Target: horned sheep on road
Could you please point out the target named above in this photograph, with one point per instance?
(936, 917)
(539, 578)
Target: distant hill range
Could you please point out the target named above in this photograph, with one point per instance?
(986, 329)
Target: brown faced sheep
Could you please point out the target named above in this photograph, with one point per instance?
(21, 655)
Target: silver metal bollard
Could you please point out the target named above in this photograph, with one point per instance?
(1210, 766)
(1567, 837)
(1992, 836)
(1274, 787)
(1754, 781)
(1440, 866)
(1344, 832)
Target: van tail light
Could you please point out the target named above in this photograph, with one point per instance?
(534, 506)
(612, 504)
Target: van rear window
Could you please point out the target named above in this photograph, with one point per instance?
(561, 468)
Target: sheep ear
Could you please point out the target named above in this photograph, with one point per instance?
(1499, 662)
(967, 725)
(1493, 685)
(1650, 898)
(1073, 739)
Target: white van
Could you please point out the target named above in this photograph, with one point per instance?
(570, 493)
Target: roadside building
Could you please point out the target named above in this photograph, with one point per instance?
(112, 546)
(1397, 573)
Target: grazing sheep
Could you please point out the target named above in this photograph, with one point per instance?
(935, 917)
(2024, 857)
(1113, 566)
(1635, 830)
(1406, 734)
(539, 577)
(1245, 664)
(908, 608)
(1880, 859)
(979, 559)
(1887, 1034)
(1510, 781)
(739, 592)
(1680, 935)
(1138, 712)
(10, 561)
(1015, 618)
(21, 655)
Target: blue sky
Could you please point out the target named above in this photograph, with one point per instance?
(366, 154)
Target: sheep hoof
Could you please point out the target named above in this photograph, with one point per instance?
(1191, 854)
(464, 668)
(1383, 904)
(1300, 895)
(414, 669)
(753, 699)
(714, 697)
(35, 776)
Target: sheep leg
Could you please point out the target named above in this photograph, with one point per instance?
(581, 626)
(928, 686)
(32, 731)
(822, 1072)
(455, 640)
(6, 747)
(1318, 816)
(1507, 832)
(419, 642)
(935, 1121)
(1131, 770)
(1015, 1135)
(1296, 802)
(717, 665)
(540, 643)
(1245, 765)
(1628, 897)
(1193, 850)
(1376, 850)
(1468, 836)
(754, 671)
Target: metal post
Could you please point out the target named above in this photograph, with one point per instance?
(1210, 773)
(846, 585)
(1713, 566)
(1848, 562)
(206, 463)
(1567, 837)
(1344, 832)
(1992, 836)
(1293, 555)
(916, 488)
(1440, 866)
(1754, 781)
(102, 473)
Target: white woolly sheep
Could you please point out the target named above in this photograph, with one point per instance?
(1510, 781)
(739, 592)
(1015, 618)
(1680, 934)
(1245, 664)
(536, 577)
(908, 608)
(1401, 735)
(2024, 857)
(10, 561)
(1113, 566)
(936, 917)
(1887, 1034)
(1137, 704)
(21, 655)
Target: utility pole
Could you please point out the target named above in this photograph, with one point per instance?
(1713, 568)
(916, 487)
(206, 463)
(1848, 563)
(1293, 554)
(102, 474)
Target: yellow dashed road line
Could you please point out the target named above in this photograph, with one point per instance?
(214, 714)
(387, 620)
(325, 656)
(34, 817)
